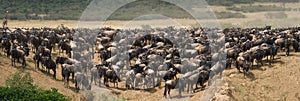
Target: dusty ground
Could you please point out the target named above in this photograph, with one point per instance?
(278, 82)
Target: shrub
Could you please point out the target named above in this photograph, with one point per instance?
(30, 94)
(19, 79)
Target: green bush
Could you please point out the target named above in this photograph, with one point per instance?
(30, 94)
(20, 88)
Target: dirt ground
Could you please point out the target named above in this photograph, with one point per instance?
(277, 82)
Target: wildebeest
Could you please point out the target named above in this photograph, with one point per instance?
(111, 75)
(241, 62)
(172, 84)
(63, 60)
(17, 53)
(6, 46)
(49, 64)
(65, 45)
(81, 79)
(66, 71)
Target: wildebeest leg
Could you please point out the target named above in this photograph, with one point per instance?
(73, 79)
(106, 81)
(165, 92)
(287, 51)
(76, 86)
(153, 82)
(179, 90)
(66, 80)
(7, 53)
(99, 81)
(270, 62)
(92, 78)
(43, 66)
(237, 67)
(169, 90)
(211, 75)
(220, 74)
(197, 86)
(202, 84)
(54, 73)
(117, 84)
(12, 61)
(135, 83)
(244, 73)
(188, 88)
(24, 62)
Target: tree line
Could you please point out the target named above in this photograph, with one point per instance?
(72, 9)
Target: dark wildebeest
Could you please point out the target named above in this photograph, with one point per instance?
(172, 84)
(241, 62)
(97, 72)
(37, 58)
(270, 50)
(6, 45)
(283, 43)
(67, 70)
(49, 64)
(170, 74)
(65, 45)
(35, 41)
(44, 51)
(65, 60)
(19, 54)
(203, 77)
(112, 75)
(81, 80)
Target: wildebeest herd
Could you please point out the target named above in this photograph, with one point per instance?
(181, 58)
